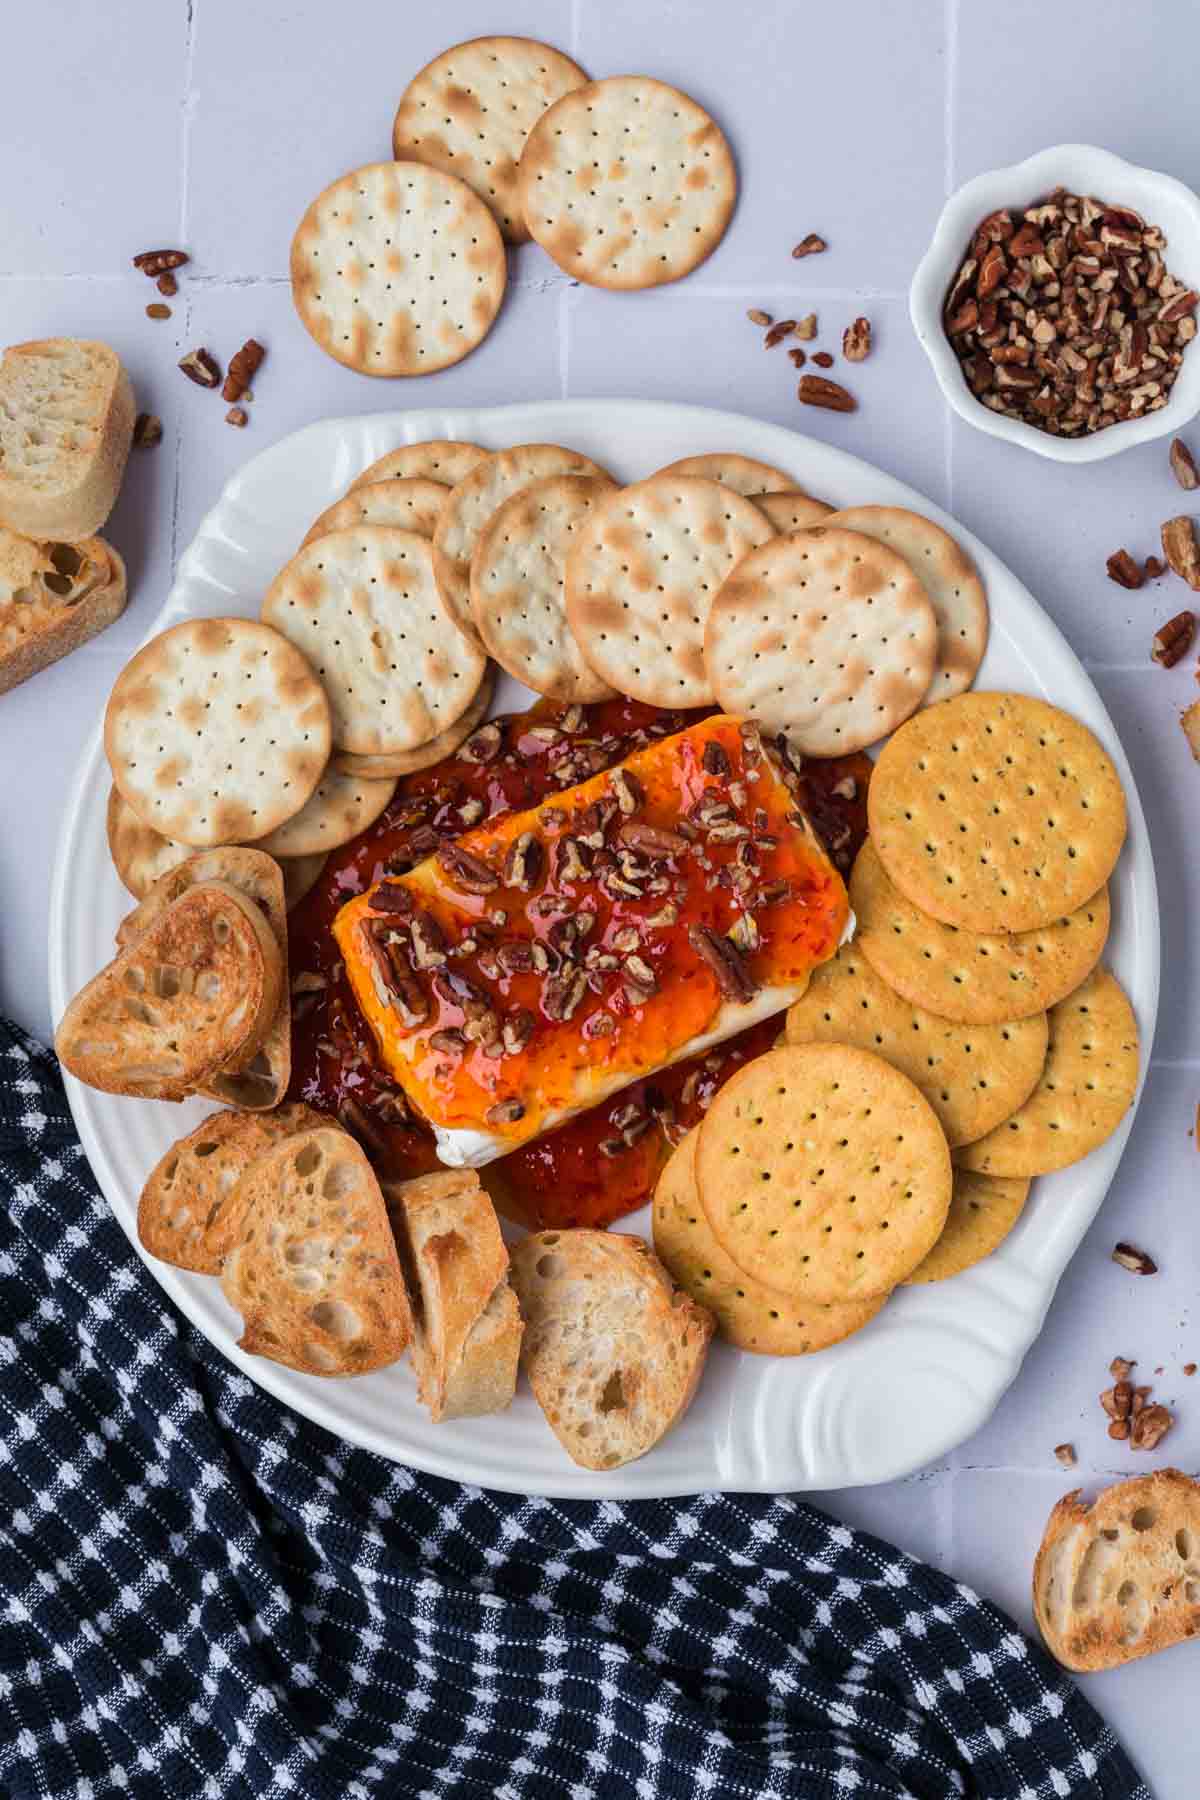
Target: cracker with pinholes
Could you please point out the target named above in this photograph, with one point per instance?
(140, 854)
(339, 807)
(411, 502)
(1085, 1090)
(741, 473)
(407, 762)
(747, 1313)
(627, 183)
(642, 578)
(470, 110)
(217, 731)
(949, 577)
(473, 501)
(398, 269)
(437, 459)
(791, 512)
(976, 978)
(996, 812)
(363, 607)
(973, 1076)
(517, 586)
(825, 635)
(983, 1210)
(823, 1172)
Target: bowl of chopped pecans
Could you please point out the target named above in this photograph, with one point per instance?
(1057, 303)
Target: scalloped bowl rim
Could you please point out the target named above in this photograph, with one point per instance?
(1083, 167)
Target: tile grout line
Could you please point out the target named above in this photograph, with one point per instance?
(949, 121)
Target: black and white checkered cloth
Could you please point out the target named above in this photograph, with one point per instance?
(201, 1594)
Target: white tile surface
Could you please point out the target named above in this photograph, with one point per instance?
(232, 117)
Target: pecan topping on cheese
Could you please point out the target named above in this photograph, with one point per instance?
(726, 962)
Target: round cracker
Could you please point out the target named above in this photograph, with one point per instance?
(823, 1172)
(976, 978)
(642, 578)
(398, 269)
(996, 812)
(217, 731)
(472, 503)
(741, 473)
(470, 110)
(1085, 1090)
(983, 1210)
(140, 854)
(517, 586)
(408, 762)
(827, 636)
(339, 807)
(949, 577)
(436, 459)
(627, 183)
(747, 1313)
(413, 503)
(973, 1076)
(300, 874)
(363, 606)
(792, 511)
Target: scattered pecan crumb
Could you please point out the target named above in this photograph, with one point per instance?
(167, 284)
(1119, 1429)
(1149, 1427)
(757, 316)
(812, 245)
(806, 328)
(798, 357)
(156, 310)
(237, 415)
(147, 431)
(201, 368)
(1066, 1455)
(782, 328)
(158, 262)
(1181, 549)
(242, 369)
(814, 390)
(1153, 567)
(856, 341)
(1183, 465)
(1122, 1367)
(1128, 1256)
(1173, 640)
(1123, 570)
(1190, 720)
(1189, 1368)
(823, 359)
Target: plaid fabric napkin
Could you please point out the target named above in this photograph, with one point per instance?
(201, 1594)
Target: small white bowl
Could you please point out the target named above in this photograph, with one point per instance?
(1081, 169)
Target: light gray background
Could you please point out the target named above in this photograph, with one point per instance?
(212, 123)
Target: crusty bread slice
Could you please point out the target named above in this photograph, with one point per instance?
(466, 1324)
(184, 1214)
(1121, 1578)
(313, 1268)
(613, 1349)
(256, 1080)
(53, 598)
(195, 990)
(66, 424)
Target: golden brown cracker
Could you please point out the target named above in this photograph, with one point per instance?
(983, 1210)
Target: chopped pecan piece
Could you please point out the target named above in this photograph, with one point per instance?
(628, 790)
(782, 328)
(201, 368)
(157, 310)
(505, 1112)
(856, 341)
(1183, 465)
(523, 864)
(449, 1041)
(428, 943)
(814, 390)
(515, 958)
(572, 861)
(243, 367)
(483, 746)
(353, 1119)
(812, 245)
(1133, 1259)
(1066, 1455)
(1149, 1427)
(715, 760)
(470, 873)
(757, 316)
(1181, 550)
(726, 962)
(1153, 567)
(158, 262)
(1122, 1367)
(237, 416)
(1190, 720)
(1173, 640)
(147, 431)
(806, 328)
(562, 994)
(517, 1030)
(651, 840)
(823, 359)
(395, 985)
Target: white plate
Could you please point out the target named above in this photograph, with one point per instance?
(930, 1368)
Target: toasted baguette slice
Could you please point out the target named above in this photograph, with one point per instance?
(184, 1215)
(313, 1268)
(257, 1079)
(1121, 1578)
(613, 1349)
(66, 424)
(53, 598)
(193, 992)
(466, 1323)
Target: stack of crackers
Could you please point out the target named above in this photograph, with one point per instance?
(399, 268)
(965, 1041)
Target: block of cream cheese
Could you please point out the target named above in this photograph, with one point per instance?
(538, 964)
